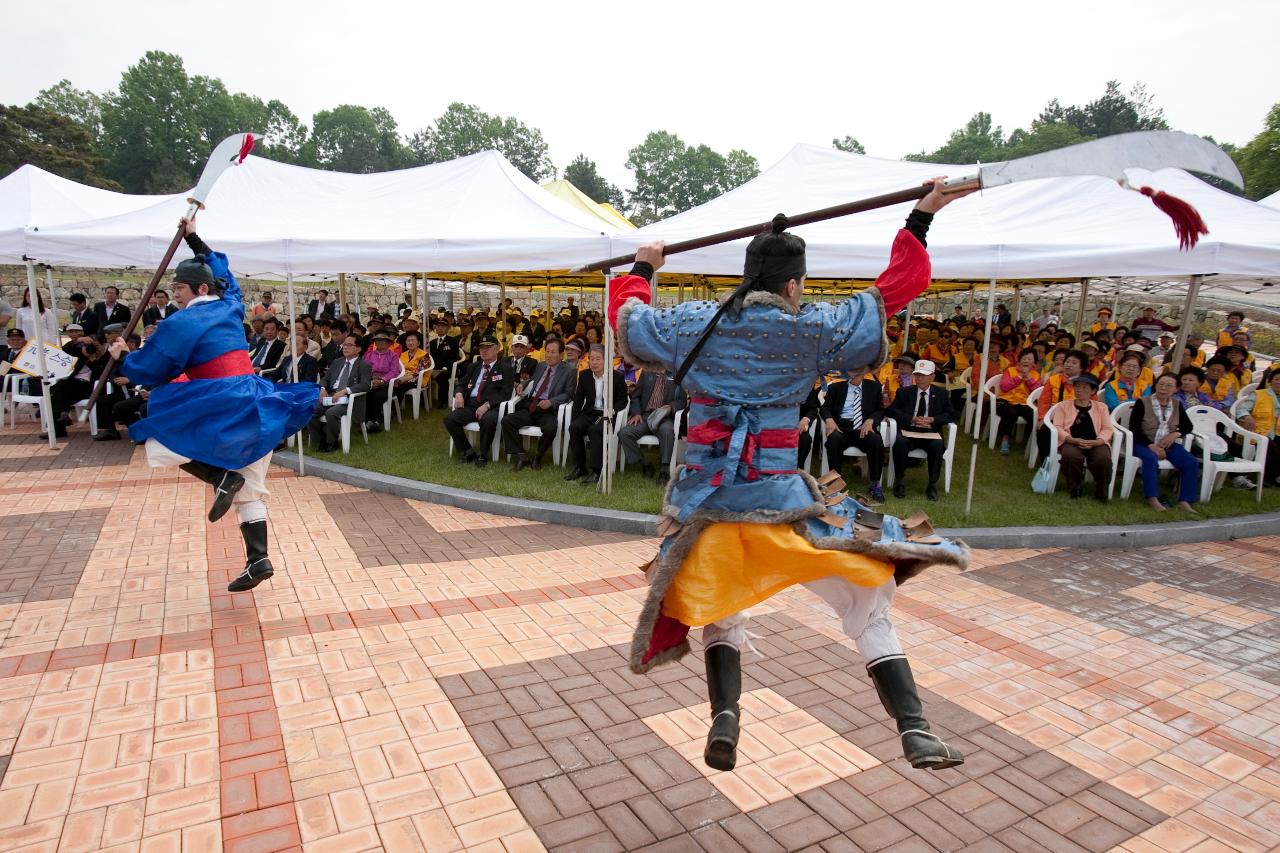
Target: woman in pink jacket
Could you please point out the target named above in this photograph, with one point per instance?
(1084, 438)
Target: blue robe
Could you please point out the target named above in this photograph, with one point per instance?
(228, 422)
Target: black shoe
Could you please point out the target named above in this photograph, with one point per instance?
(521, 463)
(107, 435)
(468, 456)
(1100, 494)
(575, 474)
(897, 690)
(1077, 492)
(373, 426)
(225, 485)
(589, 478)
(724, 687)
(257, 567)
(664, 476)
(646, 470)
(536, 462)
(899, 489)
(481, 461)
(931, 492)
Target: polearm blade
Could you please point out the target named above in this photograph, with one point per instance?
(1106, 157)
(227, 153)
(1110, 156)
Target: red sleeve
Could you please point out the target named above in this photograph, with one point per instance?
(907, 275)
(623, 288)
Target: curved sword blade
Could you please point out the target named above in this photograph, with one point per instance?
(224, 156)
(1111, 155)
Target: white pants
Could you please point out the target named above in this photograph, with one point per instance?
(863, 612)
(255, 473)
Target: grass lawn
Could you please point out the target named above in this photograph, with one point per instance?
(1002, 495)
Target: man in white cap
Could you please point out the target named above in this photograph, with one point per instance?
(522, 364)
(922, 411)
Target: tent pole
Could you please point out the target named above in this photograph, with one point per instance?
(1084, 298)
(33, 300)
(342, 293)
(906, 328)
(982, 381)
(969, 312)
(53, 298)
(293, 364)
(464, 295)
(680, 292)
(653, 291)
(426, 300)
(606, 432)
(502, 310)
(1017, 303)
(548, 323)
(413, 291)
(359, 307)
(1185, 328)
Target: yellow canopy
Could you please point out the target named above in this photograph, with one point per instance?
(566, 191)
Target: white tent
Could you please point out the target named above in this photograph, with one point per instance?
(1272, 200)
(31, 198)
(474, 213)
(1056, 228)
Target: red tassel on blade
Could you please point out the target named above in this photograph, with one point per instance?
(1186, 219)
(245, 147)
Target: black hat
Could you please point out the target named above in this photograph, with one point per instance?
(194, 271)
(907, 358)
(113, 329)
(1087, 378)
(488, 340)
(381, 336)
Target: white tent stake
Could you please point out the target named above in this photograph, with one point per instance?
(293, 364)
(606, 428)
(982, 381)
(34, 301)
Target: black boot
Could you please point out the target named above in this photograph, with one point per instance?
(257, 567)
(225, 485)
(724, 686)
(897, 689)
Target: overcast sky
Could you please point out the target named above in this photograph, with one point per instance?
(596, 77)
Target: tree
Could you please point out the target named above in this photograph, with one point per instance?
(672, 177)
(977, 141)
(151, 134)
(1041, 137)
(351, 138)
(44, 138)
(849, 144)
(81, 106)
(1259, 159)
(465, 129)
(583, 175)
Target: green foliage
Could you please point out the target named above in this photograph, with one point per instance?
(51, 141)
(81, 106)
(151, 128)
(849, 144)
(465, 129)
(672, 177)
(583, 175)
(1259, 160)
(977, 141)
(357, 139)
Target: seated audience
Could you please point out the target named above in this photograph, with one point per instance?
(347, 375)
(587, 426)
(852, 414)
(486, 386)
(1159, 423)
(1016, 385)
(652, 412)
(923, 410)
(1128, 384)
(1084, 438)
(385, 364)
(551, 386)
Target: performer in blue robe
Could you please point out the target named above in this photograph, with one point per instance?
(208, 412)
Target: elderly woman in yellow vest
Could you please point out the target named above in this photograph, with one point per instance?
(1084, 438)
(1128, 384)
(1261, 413)
(1220, 387)
(1016, 384)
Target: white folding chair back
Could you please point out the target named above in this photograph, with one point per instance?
(345, 424)
(948, 452)
(616, 460)
(967, 413)
(1033, 446)
(1248, 392)
(415, 394)
(391, 401)
(988, 399)
(1208, 422)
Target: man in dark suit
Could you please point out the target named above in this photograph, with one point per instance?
(82, 314)
(589, 414)
(522, 364)
(809, 412)
(332, 334)
(346, 376)
(444, 352)
(308, 367)
(487, 386)
(654, 392)
(852, 414)
(322, 307)
(109, 311)
(267, 354)
(550, 387)
(574, 311)
(921, 408)
(159, 308)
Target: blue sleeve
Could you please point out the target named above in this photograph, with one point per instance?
(649, 337)
(1109, 397)
(162, 358)
(852, 333)
(231, 289)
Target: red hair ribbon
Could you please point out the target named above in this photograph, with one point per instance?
(1186, 219)
(245, 148)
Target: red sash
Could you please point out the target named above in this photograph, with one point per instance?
(233, 363)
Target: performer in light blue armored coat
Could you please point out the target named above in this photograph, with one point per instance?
(740, 522)
(208, 413)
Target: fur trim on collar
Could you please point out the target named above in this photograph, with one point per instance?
(766, 298)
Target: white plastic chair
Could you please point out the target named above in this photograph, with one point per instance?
(1117, 446)
(1248, 392)
(888, 432)
(534, 431)
(345, 424)
(993, 417)
(391, 402)
(1206, 422)
(988, 401)
(966, 416)
(417, 392)
(453, 380)
(682, 445)
(13, 398)
(948, 456)
(617, 461)
(474, 427)
(1033, 446)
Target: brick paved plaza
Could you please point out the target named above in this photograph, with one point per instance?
(417, 677)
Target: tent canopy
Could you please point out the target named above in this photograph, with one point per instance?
(565, 191)
(1272, 201)
(1054, 228)
(476, 212)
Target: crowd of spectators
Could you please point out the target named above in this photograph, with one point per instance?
(507, 373)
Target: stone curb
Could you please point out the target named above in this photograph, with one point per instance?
(641, 524)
